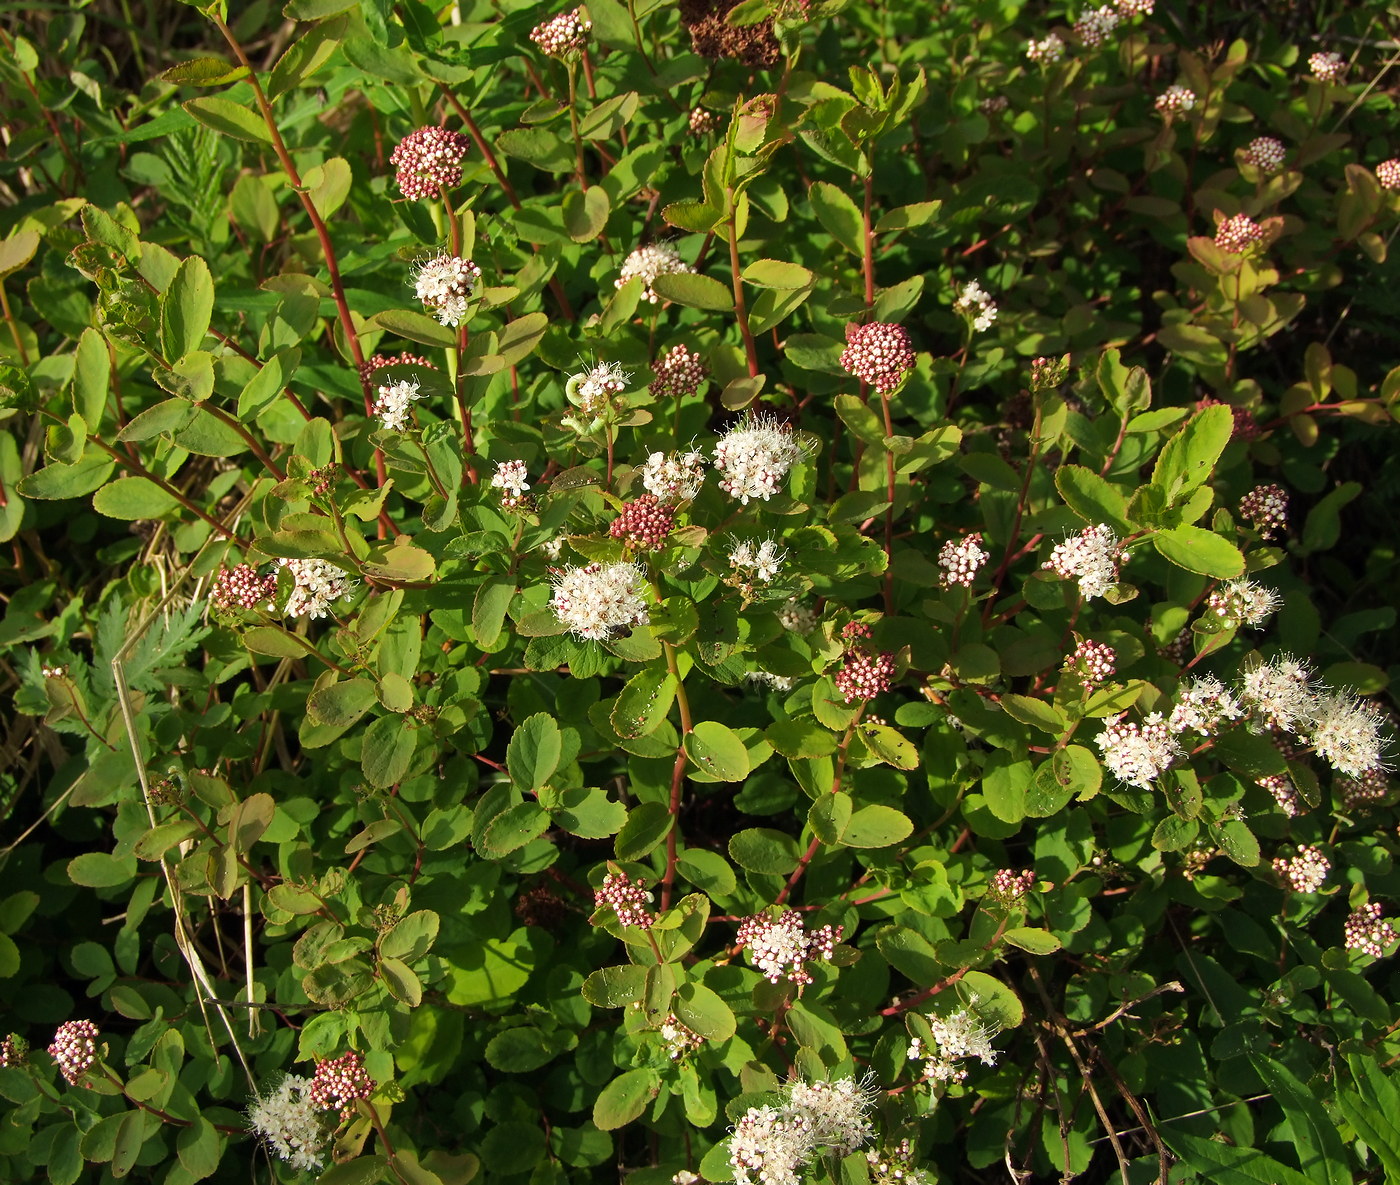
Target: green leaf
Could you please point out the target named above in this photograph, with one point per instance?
(133, 498)
(1036, 942)
(877, 826)
(1320, 1151)
(534, 751)
(363, 1170)
(340, 704)
(489, 608)
(205, 434)
(199, 1148)
(839, 215)
(17, 250)
(329, 185)
(538, 146)
(695, 292)
(205, 71)
(1227, 1164)
(764, 850)
(168, 415)
(1092, 498)
(402, 983)
(907, 217)
(1188, 459)
(829, 816)
(401, 561)
(186, 307)
(520, 1050)
(415, 327)
(92, 373)
(707, 871)
(410, 938)
(586, 213)
(100, 870)
(274, 642)
(131, 1134)
(229, 119)
(718, 751)
(1035, 712)
(703, 1012)
(624, 1099)
(615, 987)
(513, 828)
(57, 482)
(889, 746)
(643, 703)
(647, 825)
(589, 814)
(1371, 1110)
(862, 422)
(800, 738)
(1199, 550)
(1238, 842)
(250, 819)
(1071, 771)
(388, 750)
(911, 954)
(776, 273)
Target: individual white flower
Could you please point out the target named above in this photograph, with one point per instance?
(1346, 732)
(1092, 557)
(1202, 706)
(393, 401)
(839, 1111)
(553, 548)
(1279, 694)
(510, 479)
(674, 477)
(286, 1120)
(655, 259)
(976, 303)
(1138, 753)
(317, 585)
(769, 1146)
(760, 562)
(754, 457)
(1244, 602)
(600, 601)
(444, 284)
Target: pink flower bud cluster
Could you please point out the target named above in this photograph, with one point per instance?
(1176, 99)
(1093, 661)
(644, 522)
(678, 372)
(1266, 154)
(629, 899)
(1236, 235)
(782, 947)
(1369, 788)
(1008, 886)
(1046, 51)
(1095, 27)
(1305, 872)
(13, 1051)
(1388, 174)
(1327, 67)
(1284, 791)
(879, 354)
(380, 361)
(338, 1082)
(1266, 507)
(959, 560)
(74, 1048)
(563, 34)
(428, 160)
(864, 674)
(240, 587)
(701, 121)
(1367, 931)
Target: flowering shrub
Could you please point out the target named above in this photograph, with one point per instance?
(765, 592)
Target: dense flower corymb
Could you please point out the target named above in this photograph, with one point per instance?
(1327, 67)
(601, 600)
(976, 303)
(428, 160)
(678, 372)
(760, 562)
(1176, 99)
(1236, 235)
(563, 34)
(1266, 154)
(1367, 931)
(1266, 507)
(839, 1111)
(1388, 174)
(1092, 557)
(956, 1037)
(392, 404)
(629, 899)
(1305, 872)
(864, 674)
(338, 1082)
(880, 354)
(655, 259)
(754, 457)
(1279, 694)
(1346, 732)
(1202, 706)
(644, 522)
(781, 948)
(316, 586)
(1095, 27)
(240, 587)
(74, 1048)
(286, 1120)
(1138, 753)
(769, 1146)
(960, 559)
(674, 477)
(1244, 602)
(510, 478)
(1093, 661)
(1047, 50)
(445, 284)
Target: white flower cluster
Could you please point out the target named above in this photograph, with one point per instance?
(1176, 98)
(1266, 154)
(510, 479)
(679, 1039)
(1244, 602)
(1202, 706)
(772, 1145)
(768, 679)
(1047, 50)
(592, 390)
(317, 585)
(1305, 872)
(601, 600)
(1138, 753)
(956, 1037)
(1279, 694)
(655, 259)
(754, 457)
(393, 401)
(1092, 557)
(674, 477)
(960, 559)
(444, 284)
(782, 948)
(975, 302)
(287, 1122)
(760, 563)
(1095, 27)
(1327, 67)
(797, 618)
